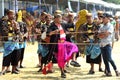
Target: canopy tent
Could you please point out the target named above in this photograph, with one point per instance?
(47, 1)
(30, 0)
(100, 2)
(97, 2)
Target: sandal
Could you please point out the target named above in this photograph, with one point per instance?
(100, 70)
(91, 72)
(40, 70)
(75, 64)
(66, 71)
(2, 73)
(63, 75)
(117, 73)
(50, 71)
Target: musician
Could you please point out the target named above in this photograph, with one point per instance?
(62, 49)
(39, 29)
(88, 34)
(10, 34)
(43, 46)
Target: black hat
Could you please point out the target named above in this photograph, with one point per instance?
(106, 15)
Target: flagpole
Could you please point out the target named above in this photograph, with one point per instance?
(57, 4)
(1, 8)
(86, 5)
(39, 6)
(78, 5)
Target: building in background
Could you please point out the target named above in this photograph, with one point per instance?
(51, 5)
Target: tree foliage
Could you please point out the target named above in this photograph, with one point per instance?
(113, 1)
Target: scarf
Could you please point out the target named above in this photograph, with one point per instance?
(62, 33)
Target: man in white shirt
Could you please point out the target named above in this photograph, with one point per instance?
(105, 34)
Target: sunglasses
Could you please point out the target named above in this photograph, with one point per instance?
(103, 17)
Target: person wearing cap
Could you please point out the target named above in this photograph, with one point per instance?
(105, 35)
(62, 49)
(10, 33)
(38, 31)
(89, 32)
(43, 49)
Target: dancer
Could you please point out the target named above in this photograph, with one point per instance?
(62, 49)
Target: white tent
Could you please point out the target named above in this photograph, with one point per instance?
(100, 2)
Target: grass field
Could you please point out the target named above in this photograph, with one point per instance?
(79, 73)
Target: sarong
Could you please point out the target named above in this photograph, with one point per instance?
(43, 50)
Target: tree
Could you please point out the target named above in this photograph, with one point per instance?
(113, 1)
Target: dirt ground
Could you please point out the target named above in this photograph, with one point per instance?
(76, 73)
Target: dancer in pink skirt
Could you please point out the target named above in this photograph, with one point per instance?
(65, 50)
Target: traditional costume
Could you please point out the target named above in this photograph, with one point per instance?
(90, 35)
(63, 50)
(41, 30)
(11, 37)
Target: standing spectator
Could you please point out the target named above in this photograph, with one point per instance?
(105, 34)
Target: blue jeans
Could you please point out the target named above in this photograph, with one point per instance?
(107, 57)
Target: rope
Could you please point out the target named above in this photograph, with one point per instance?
(83, 43)
(35, 34)
(56, 33)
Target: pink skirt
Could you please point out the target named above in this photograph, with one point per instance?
(65, 52)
